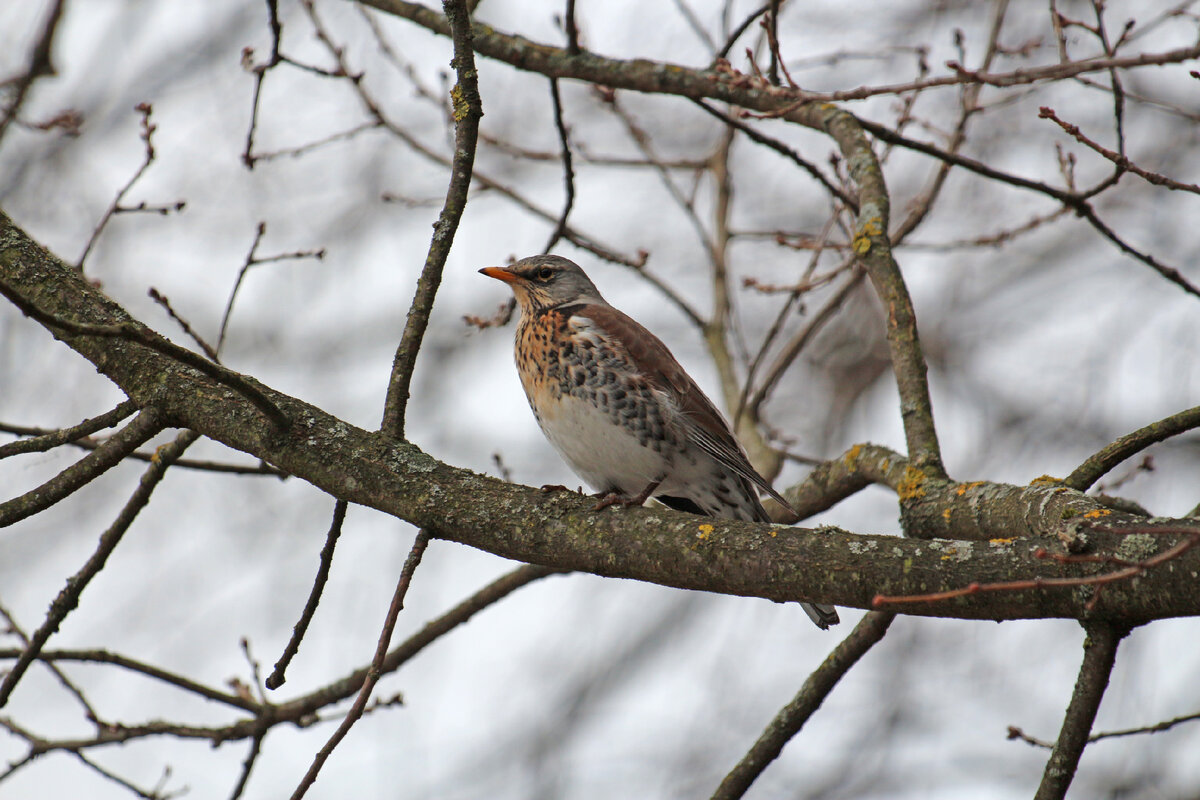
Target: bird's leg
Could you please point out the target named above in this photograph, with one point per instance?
(621, 499)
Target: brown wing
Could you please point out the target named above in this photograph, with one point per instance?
(706, 427)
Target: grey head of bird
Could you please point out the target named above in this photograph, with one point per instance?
(544, 282)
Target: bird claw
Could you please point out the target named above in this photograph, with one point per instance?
(625, 500)
(615, 499)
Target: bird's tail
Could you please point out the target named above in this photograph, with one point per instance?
(823, 616)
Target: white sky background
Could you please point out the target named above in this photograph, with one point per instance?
(1040, 353)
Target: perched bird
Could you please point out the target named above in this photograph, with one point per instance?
(620, 410)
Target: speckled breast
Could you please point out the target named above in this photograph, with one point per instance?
(563, 358)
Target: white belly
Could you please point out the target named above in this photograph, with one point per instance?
(603, 453)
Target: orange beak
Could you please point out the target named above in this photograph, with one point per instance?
(500, 274)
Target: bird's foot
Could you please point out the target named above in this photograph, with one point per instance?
(621, 499)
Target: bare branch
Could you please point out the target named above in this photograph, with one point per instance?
(791, 718)
(1122, 162)
(1100, 463)
(467, 111)
(385, 637)
(140, 334)
(68, 597)
(143, 427)
(568, 168)
(1099, 654)
(277, 676)
(42, 440)
(114, 208)
(39, 66)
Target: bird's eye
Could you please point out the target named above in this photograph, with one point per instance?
(544, 273)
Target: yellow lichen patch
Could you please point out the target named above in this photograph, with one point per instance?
(773, 534)
(963, 488)
(705, 531)
(459, 103)
(1009, 540)
(862, 239)
(1096, 513)
(946, 514)
(1045, 480)
(911, 486)
(951, 553)
(852, 456)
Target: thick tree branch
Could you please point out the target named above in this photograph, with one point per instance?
(559, 531)
(677, 79)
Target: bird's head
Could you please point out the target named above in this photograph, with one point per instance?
(542, 282)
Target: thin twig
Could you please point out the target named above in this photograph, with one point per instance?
(1016, 733)
(54, 669)
(571, 28)
(791, 718)
(968, 107)
(162, 300)
(773, 331)
(253, 260)
(141, 668)
(68, 597)
(1126, 571)
(136, 332)
(90, 443)
(381, 649)
(300, 711)
(260, 74)
(40, 66)
(1119, 159)
(144, 426)
(155, 793)
(247, 766)
(787, 152)
(800, 340)
(44, 440)
(693, 22)
(568, 168)
(277, 676)
(737, 32)
(147, 137)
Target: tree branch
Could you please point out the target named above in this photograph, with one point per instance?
(1099, 654)
(791, 718)
(1098, 464)
(143, 427)
(68, 598)
(467, 111)
(870, 234)
(559, 531)
(48, 440)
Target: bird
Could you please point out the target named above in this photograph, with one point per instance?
(618, 407)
